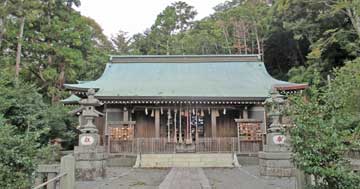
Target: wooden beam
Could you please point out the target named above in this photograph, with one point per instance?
(214, 114)
(157, 123)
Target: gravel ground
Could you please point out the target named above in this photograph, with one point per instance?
(123, 177)
(245, 177)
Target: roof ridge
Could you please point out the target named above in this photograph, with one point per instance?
(183, 58)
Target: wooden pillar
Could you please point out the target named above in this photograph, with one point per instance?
(175, 132)
(180, 129)
(189, 126)
(245, 113)
(187, 136)
(106, 131)
(157, 123)
(168, 124)
(125, 115)
(132, 126)
(213, 123)
(196, 127)
(238, 134)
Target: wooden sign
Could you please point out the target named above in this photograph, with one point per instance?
(250, 131)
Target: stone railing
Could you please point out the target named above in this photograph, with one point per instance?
(62, 175)
(354, 157)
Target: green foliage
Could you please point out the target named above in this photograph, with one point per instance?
(27, 125)
(59, 45)
(18, 154)
(300, 40)
(325, 27)
(167, 34)
(24, 108)
(121, 43)
(327, 127)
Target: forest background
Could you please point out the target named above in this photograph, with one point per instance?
(46, 43)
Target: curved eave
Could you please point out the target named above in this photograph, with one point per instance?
(181, 98)
(71, 103)
(291, 87)
(71, 100)
(78, 87)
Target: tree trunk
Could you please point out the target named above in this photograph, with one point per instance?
(237, 36)
(61, 79)
(298, 49)
(355, 19)
(19, 46)
(2, 24)
(257, 38)
(167, 47)
(59, 84)
(226, 39)
(2, 30)
(245, 30)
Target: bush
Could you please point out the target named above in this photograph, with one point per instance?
(327, 127)
(22, 106)
(18, 157)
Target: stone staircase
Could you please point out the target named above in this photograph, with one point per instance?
(186, 160)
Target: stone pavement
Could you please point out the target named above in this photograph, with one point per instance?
(126, 177)
(185, 160)
(180, 178)
(246, 177)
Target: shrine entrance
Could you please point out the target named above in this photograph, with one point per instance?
(190, 128)
(182, 130)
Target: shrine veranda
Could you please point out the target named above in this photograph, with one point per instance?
(173, 104)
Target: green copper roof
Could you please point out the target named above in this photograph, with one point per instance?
(183, 79)
(71, 99)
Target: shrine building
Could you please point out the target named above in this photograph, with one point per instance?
(169, 104)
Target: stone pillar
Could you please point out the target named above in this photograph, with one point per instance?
(89, 155)
(275, 159)
(51, 185)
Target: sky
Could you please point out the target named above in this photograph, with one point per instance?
(134, 16)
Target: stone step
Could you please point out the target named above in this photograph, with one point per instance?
(186, 160)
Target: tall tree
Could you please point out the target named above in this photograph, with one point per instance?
(4, 12)
(167, 33)
(121, 43)
(185, 14)
(327, 31)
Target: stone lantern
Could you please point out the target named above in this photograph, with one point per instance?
(89, 155)
(89, 133)
(275, 159)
